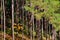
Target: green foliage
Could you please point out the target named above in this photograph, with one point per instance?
(49, 6)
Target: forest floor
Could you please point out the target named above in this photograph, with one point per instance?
(19, 37)
(8, 37)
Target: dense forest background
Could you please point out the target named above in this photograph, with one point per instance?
(29, 19)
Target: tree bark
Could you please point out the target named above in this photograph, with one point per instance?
(13, 20)
(53, 34)
(38, 30)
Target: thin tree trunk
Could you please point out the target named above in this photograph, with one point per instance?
(17, 14)
(33, 25)
(13, 19)
(26, 14)
(45, 27)
(42, 30)
(4, 19)
(1, 18)
(59, 34)
(17, 11)
(38, 29)
(49, 31)
(29, 24)
(32, 21)
(22, 16)
(53, 34)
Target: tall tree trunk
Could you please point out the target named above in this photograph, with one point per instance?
(38, 30)
(45, 26)
(17, 11)
(22, 10)
(4, 18)
(30, 24)
(1, 17)
(42, 29)
(17, 14)
(33, 26)
(13, 20)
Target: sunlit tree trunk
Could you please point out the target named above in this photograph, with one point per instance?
(13, 20)
(32, 26)
(42, 29)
